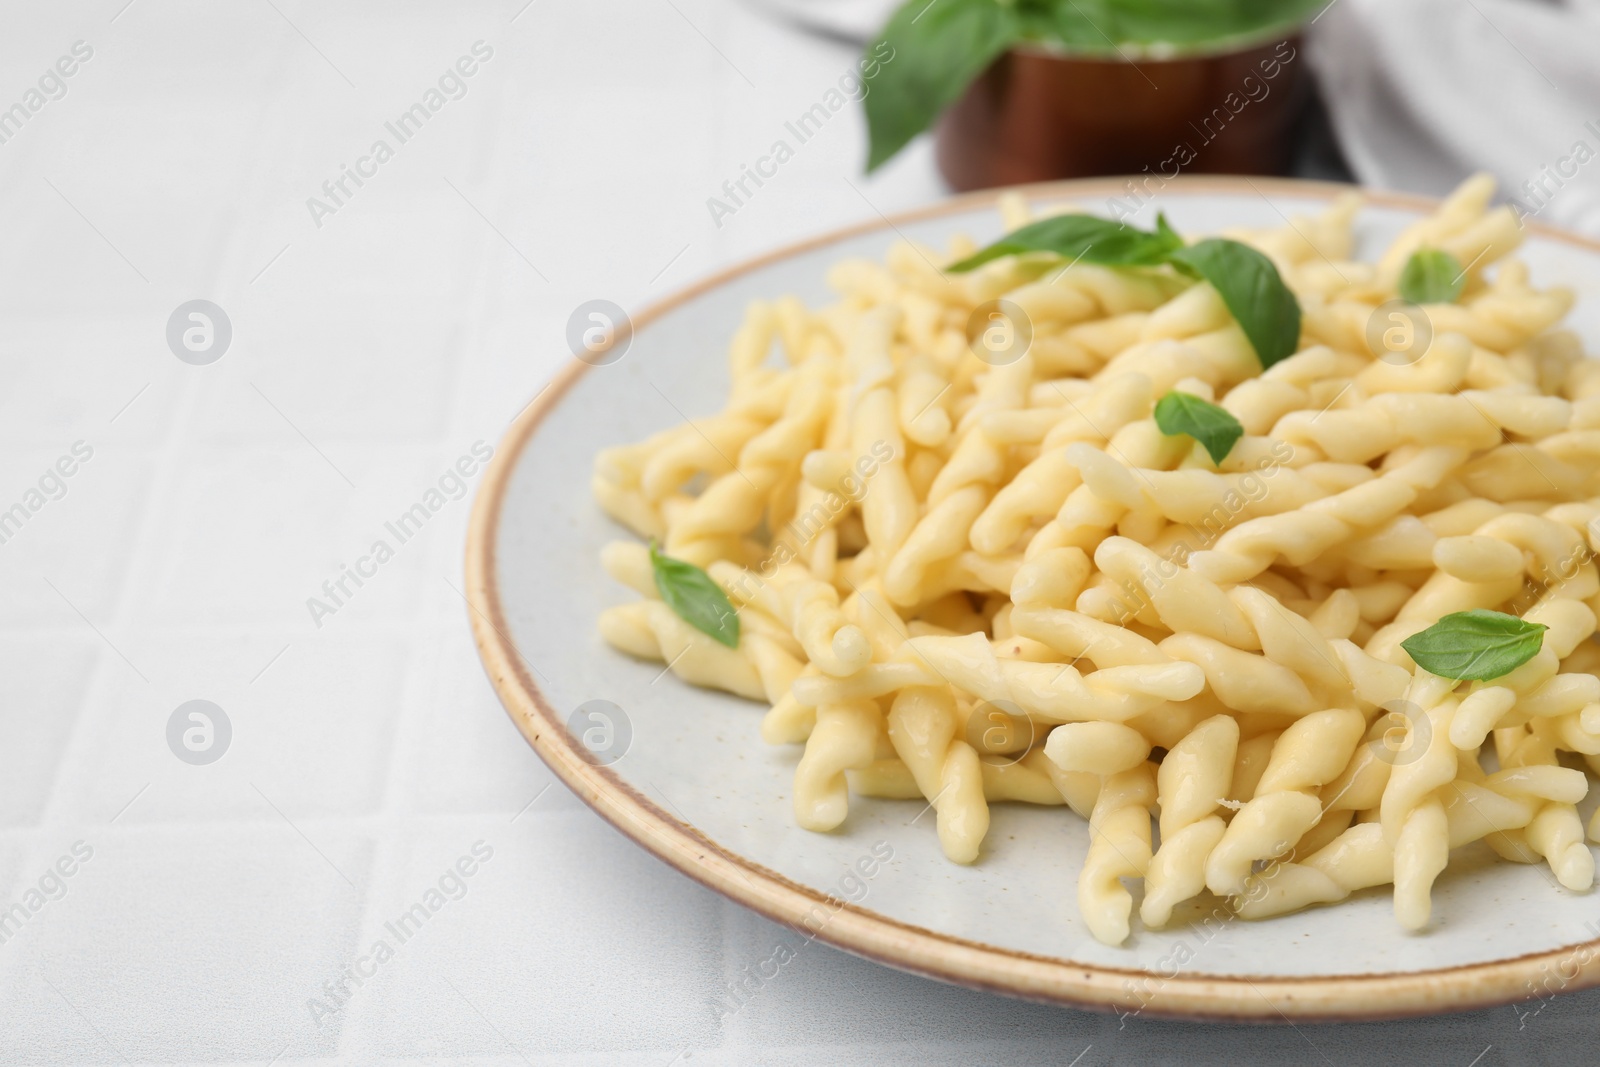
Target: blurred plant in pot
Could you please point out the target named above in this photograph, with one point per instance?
(1028, 90)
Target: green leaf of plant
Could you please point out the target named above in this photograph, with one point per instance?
(1432, 276)
(1085, 238)
(1184, 413)
(1252, 289)
(1475, 645)
(935, 49)
(1164, 229)
(1107, 26)
(696, 597)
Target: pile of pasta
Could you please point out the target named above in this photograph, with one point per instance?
(963, 579)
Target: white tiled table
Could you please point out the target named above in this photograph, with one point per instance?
(368, 753)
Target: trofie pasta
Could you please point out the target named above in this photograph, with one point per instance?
(967, 533)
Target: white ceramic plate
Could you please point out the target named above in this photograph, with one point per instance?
(695, 784)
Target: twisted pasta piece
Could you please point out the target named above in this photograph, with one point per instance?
(923, 725)
(1555, 832)
(736, 502)
(668, 461)
(888, 508)
(845, 737)
(939, 536)
(1301, 536)
(1309, 754)
(1040, 592)
(1191, 783)
(1041, 487)
(1412, 813)
(1218, 631)
(977, 458)
(1361, 858)
(1103, 748)
(1049, 692)
(1474, 419)
(1119, 847)
(651, 630)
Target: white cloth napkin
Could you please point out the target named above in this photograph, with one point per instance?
(1425, 92)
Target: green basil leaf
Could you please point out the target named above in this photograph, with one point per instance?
(1432, 276)
(928, 53)
(1164, 229)
(696, 597)
(1085, 238)
(1247, 281)
(1475, 645)
(1106, 26)
(1252, 289)
(1184, 413)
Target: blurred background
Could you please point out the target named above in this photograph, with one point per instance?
(181, 490)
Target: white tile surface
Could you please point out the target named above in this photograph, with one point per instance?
(370, 753)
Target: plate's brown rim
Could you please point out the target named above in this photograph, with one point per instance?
(855, 929)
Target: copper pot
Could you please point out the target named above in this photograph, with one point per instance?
(1036, 115)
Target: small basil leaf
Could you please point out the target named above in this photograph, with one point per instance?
(1184, 413)
(1432, 276)
(1252, 289)
(926, 57)
(696, 598)
(1084, 238)
(1164, 229)
(1475, 645)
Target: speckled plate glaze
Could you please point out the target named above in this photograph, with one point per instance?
(686, 775)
